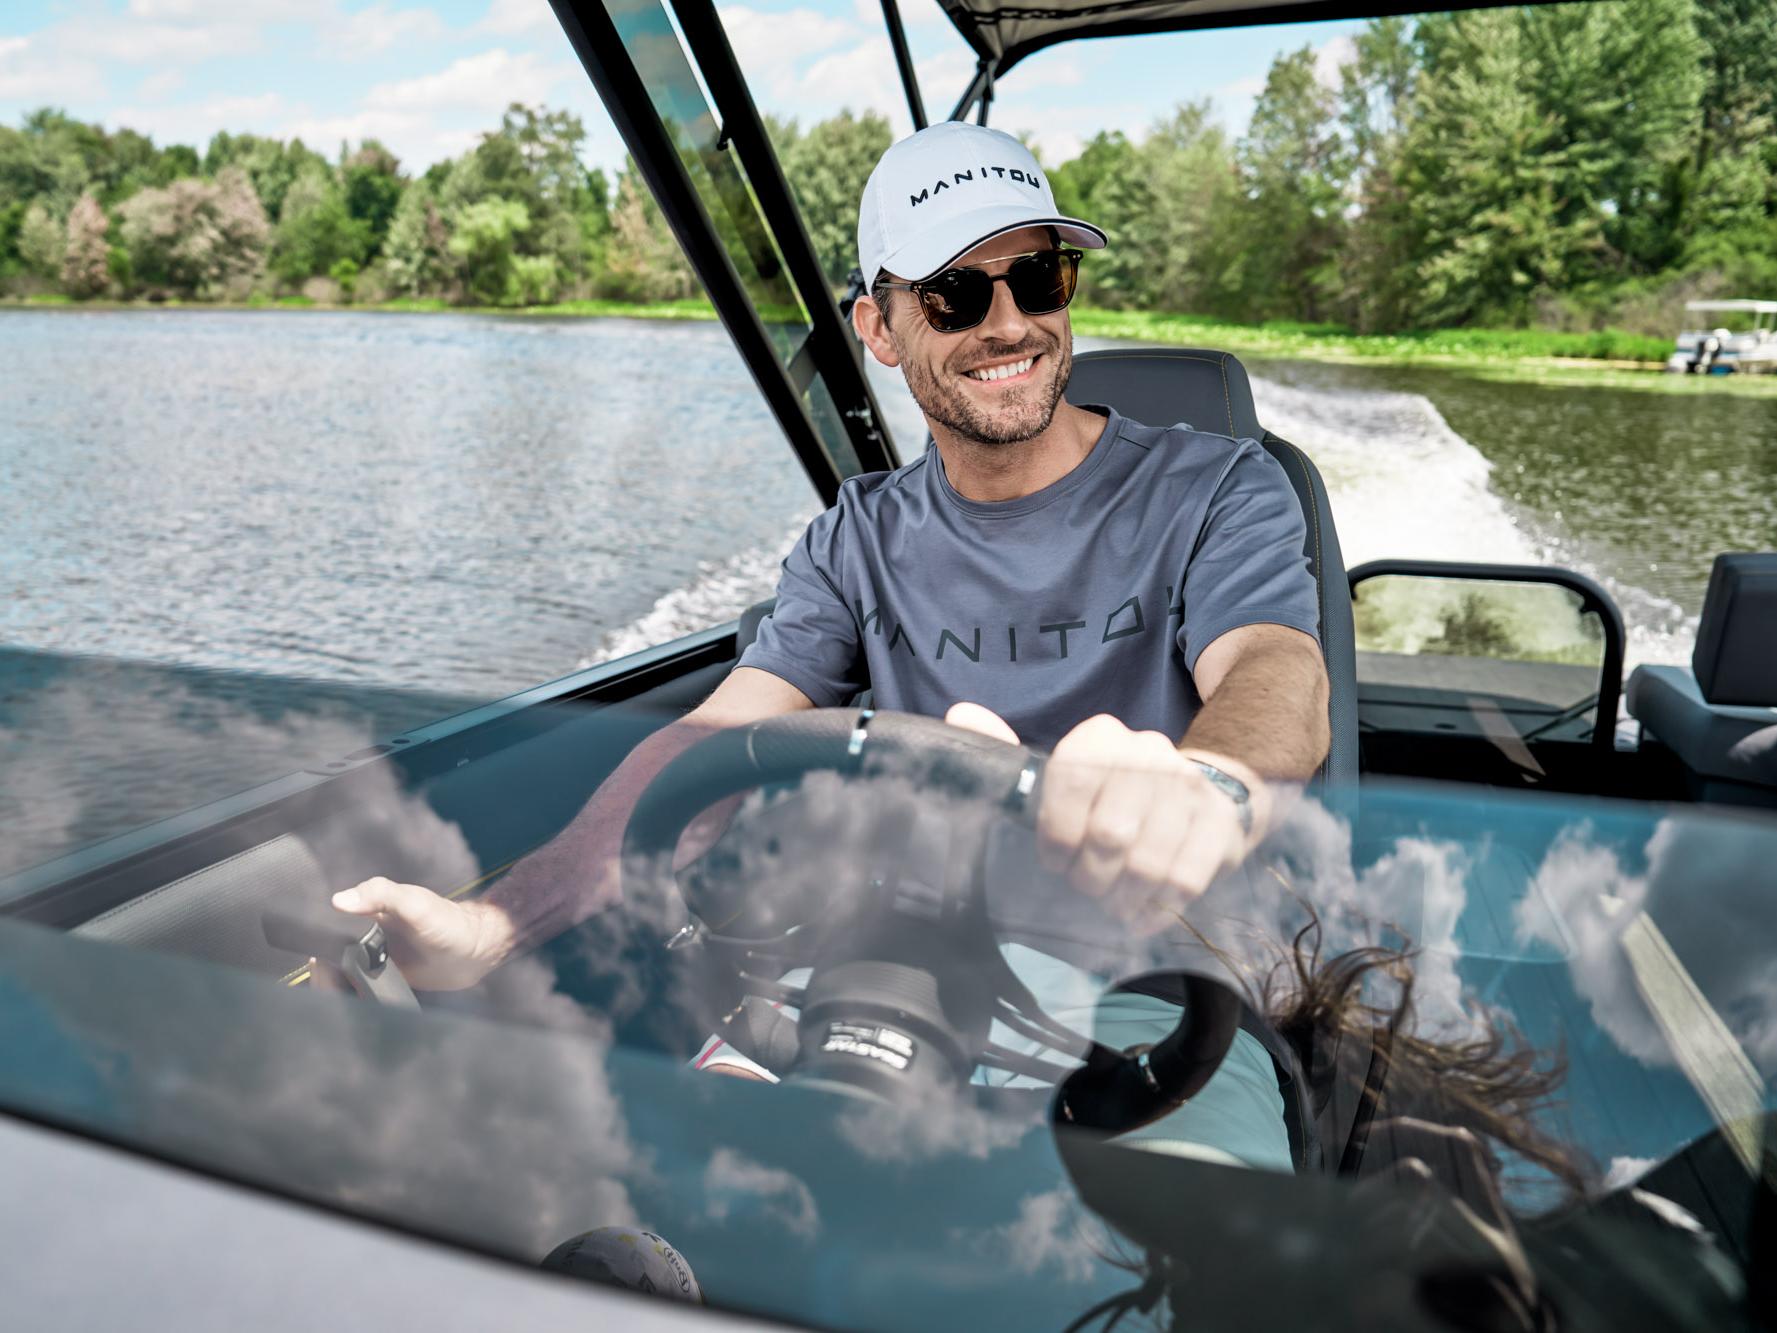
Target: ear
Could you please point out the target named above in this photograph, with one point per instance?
(872, 325)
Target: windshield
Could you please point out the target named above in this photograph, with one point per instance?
(1499, 1040)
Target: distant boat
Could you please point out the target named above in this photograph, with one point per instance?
(1720, 351)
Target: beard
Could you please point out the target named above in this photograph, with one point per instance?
(1024, 410)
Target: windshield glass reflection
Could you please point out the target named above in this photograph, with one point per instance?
(1486, 1048)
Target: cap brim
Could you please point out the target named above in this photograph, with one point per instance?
(927, 255)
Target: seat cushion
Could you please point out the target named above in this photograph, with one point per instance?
(1714, 740)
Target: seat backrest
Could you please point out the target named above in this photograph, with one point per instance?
(1210, 391)
(215, 913)
(1735, 659)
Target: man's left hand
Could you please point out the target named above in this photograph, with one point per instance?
(1129, 818)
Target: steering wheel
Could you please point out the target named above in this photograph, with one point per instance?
(902, 994)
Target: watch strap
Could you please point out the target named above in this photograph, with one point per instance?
(1232, 787)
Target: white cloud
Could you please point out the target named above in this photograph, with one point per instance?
(148, 43)
(30, 73)
(436, 116)
(732, 1181)
(161, 85)
(486, 82)
(196, 123)
(913, 16)
(1332, 56)
(220, 11)
(378, 28)
(1049, 1234)
(516, 18)
(863, 78)
(1061, 132)
(768, 43)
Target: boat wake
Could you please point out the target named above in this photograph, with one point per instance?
(1403, 484)
(721, 591)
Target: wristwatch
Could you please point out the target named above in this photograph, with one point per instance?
(1232, 787)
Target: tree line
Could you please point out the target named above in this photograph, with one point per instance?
(517, 220)
(1561, 166)
(1568, 167)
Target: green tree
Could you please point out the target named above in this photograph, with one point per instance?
(1489, 181)
(272, 165)
(533, 159)
(1108, 184)
(1378, 287)
(645, 262)
(86, 265)
(371, 178)
(196, 237)
(417, 259)
(1295, 166)
(827, 168)
(595, 221)
(42, 242)
(316, 230)
(485, 236)
(12, 221)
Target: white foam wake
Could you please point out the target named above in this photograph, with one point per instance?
(1405, 485)
(1402, 482)
(720, 592)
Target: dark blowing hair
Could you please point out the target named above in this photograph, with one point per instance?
(1492, 1085)
(1488, 1091)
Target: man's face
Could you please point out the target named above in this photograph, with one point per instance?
(944, 370)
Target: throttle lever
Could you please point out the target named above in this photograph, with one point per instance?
(358, 948)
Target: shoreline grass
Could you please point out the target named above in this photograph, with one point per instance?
(1607, 359)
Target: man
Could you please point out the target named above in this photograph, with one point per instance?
(1134, 596)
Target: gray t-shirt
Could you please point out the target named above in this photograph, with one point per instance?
(1093, 595)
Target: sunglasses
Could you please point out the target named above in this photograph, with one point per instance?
(959, 298)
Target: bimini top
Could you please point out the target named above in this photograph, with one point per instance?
(1004, 33)
(1749, 307)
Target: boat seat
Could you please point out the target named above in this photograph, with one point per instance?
(1210, 391)
(1720, 718)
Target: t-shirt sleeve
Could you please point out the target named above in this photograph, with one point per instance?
(811, 639)
(1248, 567)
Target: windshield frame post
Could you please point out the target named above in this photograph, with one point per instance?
(595, 39)
(831, 345)
(897, 32)
(983, 78)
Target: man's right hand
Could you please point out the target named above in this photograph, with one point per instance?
(438, 944)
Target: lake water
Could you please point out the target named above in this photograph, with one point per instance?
(326, 528)
(473, 504)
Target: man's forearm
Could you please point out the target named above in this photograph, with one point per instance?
(1269, 712)
(576, 873)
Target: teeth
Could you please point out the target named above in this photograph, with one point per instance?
(1002, 372)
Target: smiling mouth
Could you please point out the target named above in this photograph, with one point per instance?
(1010, 371)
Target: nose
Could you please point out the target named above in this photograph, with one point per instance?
(1005, 322)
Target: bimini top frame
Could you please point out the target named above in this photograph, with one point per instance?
(1002, 34)
(710, 165)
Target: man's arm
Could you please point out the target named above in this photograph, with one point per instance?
(1126, 814)
(445, 945)
(1264, 714)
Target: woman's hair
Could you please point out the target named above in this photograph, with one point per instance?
(1488, 1089)
(1489, 1082)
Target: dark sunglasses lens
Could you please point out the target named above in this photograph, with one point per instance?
(1044, 283)
(957, 298)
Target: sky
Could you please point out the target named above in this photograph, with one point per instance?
(428, 79)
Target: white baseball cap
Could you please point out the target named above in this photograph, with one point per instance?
(939, 193)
